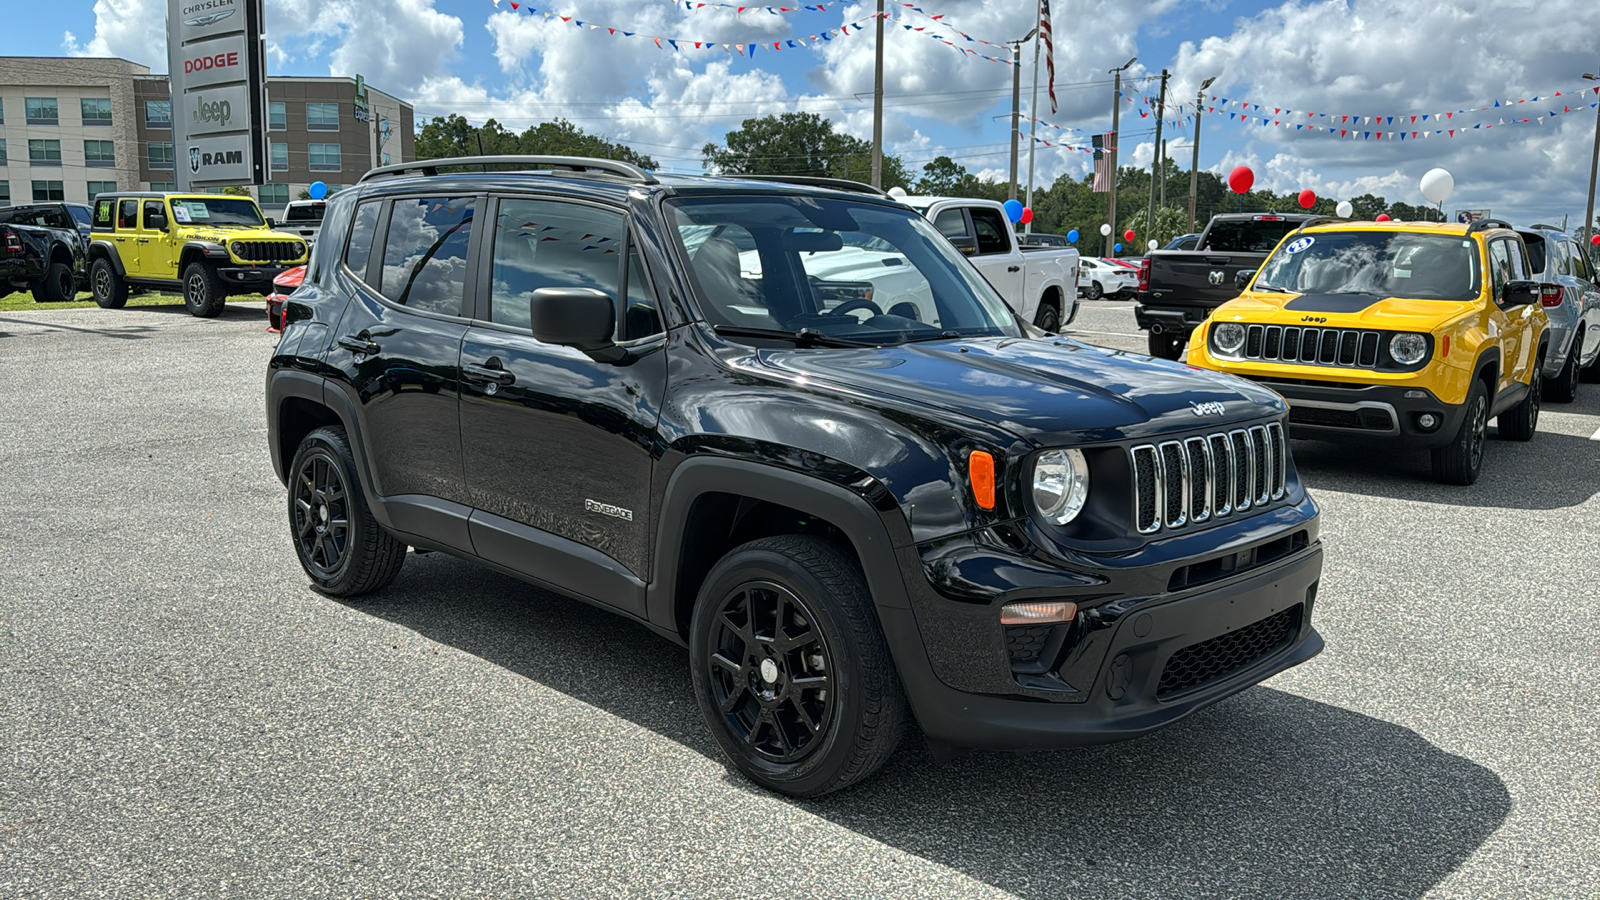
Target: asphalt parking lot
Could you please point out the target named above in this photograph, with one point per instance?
(181, 716)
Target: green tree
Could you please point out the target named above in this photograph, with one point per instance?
(445, 137)
(941, 178)
(799, 144)
(1368, 206)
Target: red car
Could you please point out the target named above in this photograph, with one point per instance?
(278, 300)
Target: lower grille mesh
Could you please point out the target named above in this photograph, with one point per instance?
(1208, 661)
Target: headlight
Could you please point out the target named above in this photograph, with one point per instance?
(236, 248)
(1229, 337)
(1060, 485)
(1408, 349)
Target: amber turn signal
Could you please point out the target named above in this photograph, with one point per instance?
(1038, 612)
(980, 471)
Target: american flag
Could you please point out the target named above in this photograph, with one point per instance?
(1049, 50)
(1102, 163)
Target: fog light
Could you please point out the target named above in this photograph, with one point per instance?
(1428, 421)
(1038, 612)
(1416, 395)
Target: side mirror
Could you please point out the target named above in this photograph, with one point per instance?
(1519, 293)
(271, 222)
(967, 247)
(1242, 278)
(156, 223)
(581, 318)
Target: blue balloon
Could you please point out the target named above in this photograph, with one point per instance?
(1072, 236)
(318, 190)
(1013, 210)
(1117, 247)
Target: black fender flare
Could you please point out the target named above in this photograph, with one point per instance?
(1485, 359)
(844, 507)
(107, 249)
(206, 250)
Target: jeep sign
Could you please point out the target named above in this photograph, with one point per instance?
(216, 60)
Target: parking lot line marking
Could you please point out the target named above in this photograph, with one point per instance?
(1595, 436)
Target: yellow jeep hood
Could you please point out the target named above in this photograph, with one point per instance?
(1343, 310)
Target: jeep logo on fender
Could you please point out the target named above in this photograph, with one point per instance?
(218, 111)
(207, 63)
(224, 158)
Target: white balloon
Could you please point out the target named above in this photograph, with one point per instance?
(1105, 229)
(1152, 244)
(897, 192)
(1345, 209)
(1437, 185)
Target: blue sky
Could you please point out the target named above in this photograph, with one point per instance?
(1361, 57)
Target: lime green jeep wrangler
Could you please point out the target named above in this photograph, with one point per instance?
(206, 245)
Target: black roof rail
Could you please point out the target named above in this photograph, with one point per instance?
(1486, 224)
(575, 164)
(1319, 220)
(838, 184)
(1544, 226)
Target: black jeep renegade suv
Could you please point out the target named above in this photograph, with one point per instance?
(788, 425)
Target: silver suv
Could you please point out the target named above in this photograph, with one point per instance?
(1570, 294)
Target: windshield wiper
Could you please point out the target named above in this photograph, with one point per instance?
(941, 336)
(1269, 287)
(805, 337)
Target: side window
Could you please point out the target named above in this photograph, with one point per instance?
(642, 317)
(104, 211)
(155, 209)
(1520, 270)
(425, 253)
(991, 228)
(128, 215)
(545, 243)
(359, 252)
(1580, 263)
(952, 223)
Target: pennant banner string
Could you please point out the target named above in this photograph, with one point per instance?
(1246, 107)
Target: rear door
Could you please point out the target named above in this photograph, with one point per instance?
(126, 237)
(559, 448)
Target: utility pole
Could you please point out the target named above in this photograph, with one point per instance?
(1155, 165)
(1194, 167)
(1594, 166)
(1033, 112)
(1016, 105)
(1116, 125)
(1163, 174)
(877, 105)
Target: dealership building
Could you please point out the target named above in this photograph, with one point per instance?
(71, 128)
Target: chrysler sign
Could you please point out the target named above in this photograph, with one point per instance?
(217, 67)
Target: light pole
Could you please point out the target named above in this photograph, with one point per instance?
(1016, 104)
(1194, 166)
(1156, 174)
(877, 105)
(1116, 121)
(1594, 166)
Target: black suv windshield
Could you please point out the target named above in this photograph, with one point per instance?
(216, 211)
(847, 271)
(1383, 263)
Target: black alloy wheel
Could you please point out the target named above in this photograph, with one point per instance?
(321, 514)
(1521, 421)
(110, 291)
(203, 293)
(339, 543)
(1461, 461)
(770, 671)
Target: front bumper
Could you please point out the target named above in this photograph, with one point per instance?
(1133, 663)
(1381, 411)
(256, 277)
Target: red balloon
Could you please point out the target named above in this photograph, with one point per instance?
(1382, 217)
(1027, 214)
(1128, 235)
(1308, 198)
(1595, 240)
(1240, 179)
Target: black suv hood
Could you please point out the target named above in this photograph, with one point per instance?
(1042, 390)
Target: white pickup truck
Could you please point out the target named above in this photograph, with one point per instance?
(1040, 283)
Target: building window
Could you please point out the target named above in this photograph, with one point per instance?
(99, 154)
(274, 194)
(96, 188)
(159, 154)
(158, 113)
(2, 112)
(322, 117)
(96, 110)
(386, 159)
(2, 151)
(5, 193)
(49, 192)
(277, 116)
(324, 157)
(163, 185)
(44, 152)
(42, 110)
(280, 156)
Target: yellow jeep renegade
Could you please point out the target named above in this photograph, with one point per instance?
(1418, 333)
(206, 245)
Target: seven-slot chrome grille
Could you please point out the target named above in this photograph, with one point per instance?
(1313, 346)
(1194, 479)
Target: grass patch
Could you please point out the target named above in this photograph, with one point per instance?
(22, 301)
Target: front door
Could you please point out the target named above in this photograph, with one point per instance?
(1515, 324)
(157, 255)
(558, 447)
(997, 259)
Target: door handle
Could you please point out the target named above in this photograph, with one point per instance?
(357, 343)
(1013, 268)
(487, 375)
(144, 240)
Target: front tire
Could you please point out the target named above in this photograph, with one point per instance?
(1520, 422)
(203, 293)
(1166, 346)
(790, 668)
(1564, 387)
(110, 291)
(56, 286)
(1461, 461)
(340, 545)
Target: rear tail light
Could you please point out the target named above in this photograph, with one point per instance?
(13, 243)
(1144, 274)
(1551, 294)
(1269, 218)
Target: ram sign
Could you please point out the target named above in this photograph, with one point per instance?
(217, 68)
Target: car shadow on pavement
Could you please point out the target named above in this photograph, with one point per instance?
(1552, 471)
(1267, 794)
(230, 311)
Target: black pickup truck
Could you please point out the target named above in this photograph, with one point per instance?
(42, 250)
(1178, 289)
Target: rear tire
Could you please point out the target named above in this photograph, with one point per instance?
(110, 291)
(1521, 421)
(1461, 461)
(340, 545)
(1564, 387)
(56, 286)
(1094, 291)
(203, 293)
(1166, 346)
(1049, 317)
(790, 668)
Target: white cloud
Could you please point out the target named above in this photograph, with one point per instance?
(132, 29)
